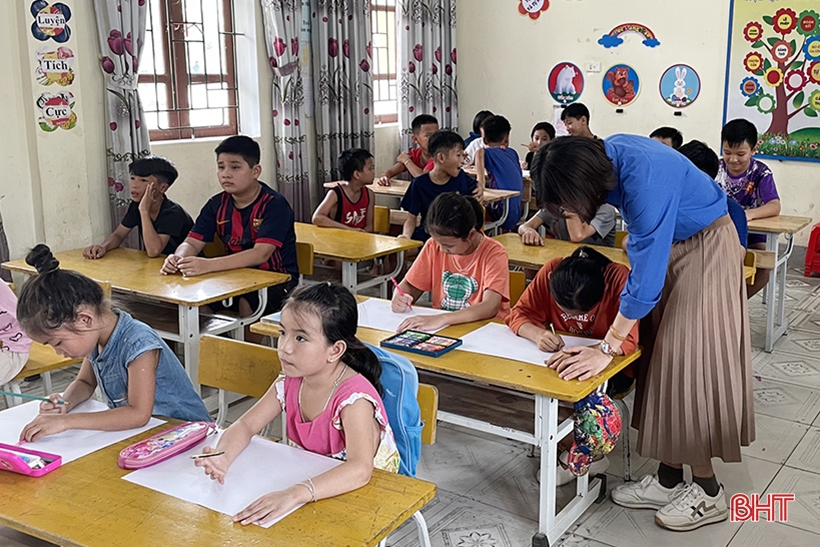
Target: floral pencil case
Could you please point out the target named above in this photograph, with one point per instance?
(164, 445)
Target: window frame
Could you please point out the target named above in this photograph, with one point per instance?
(177, 82)
(384, 119)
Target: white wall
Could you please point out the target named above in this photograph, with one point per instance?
(504, 59)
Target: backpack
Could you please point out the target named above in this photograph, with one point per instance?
(400, 384)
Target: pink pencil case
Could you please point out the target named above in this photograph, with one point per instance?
(26, 461)
(164, 445)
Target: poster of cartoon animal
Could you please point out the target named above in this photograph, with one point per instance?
(621, 85)
(565, 83)
(680, 86)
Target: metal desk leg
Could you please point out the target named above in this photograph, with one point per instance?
(776, 321)
(349, 275)
(546, 436)
(189, 333)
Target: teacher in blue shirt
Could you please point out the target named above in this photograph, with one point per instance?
(694, 399)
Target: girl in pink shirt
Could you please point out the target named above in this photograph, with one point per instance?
(331, 394)
(14, 344)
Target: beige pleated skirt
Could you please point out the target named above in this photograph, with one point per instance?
(694, 398)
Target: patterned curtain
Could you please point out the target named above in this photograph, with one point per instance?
(121, 31)
(340, 39)
(283, 22)
(427, 58)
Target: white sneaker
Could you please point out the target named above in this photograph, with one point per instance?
(692, 508)
(646, 494)
(565, 476)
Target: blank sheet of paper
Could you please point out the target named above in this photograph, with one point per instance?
(499, 341)
(72, 444)
(376, 314)
(263, 467)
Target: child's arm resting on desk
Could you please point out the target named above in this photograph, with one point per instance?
(529, 231)
(770, 209)
(142, 377)
(362, 442)
(238, 435)
(578, 229)
(190, 247)
(193, 265)
(486, 309)
(113, 241)
(398, 168)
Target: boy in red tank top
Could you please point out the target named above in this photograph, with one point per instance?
(349, 205)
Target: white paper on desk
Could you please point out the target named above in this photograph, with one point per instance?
(377, 314)
(272, 319)
(72, 444)
(263, 467)
(499, 341)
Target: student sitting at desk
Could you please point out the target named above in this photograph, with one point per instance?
(135, 369)
(254, 222)
(600, 231)
(331, 392)
(162, 224)
(502, 164)
(447, 149)
(14, 344)
(466, 271)
(416, 161)
(350, 206)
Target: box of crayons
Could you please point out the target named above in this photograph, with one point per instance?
(423, 343)
(27, 462)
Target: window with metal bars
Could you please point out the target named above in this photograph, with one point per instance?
(187, 74)
(384, 51)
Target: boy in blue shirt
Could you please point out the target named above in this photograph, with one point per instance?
(254, 222)
(503, 166)
(447, 152)
(162, 224)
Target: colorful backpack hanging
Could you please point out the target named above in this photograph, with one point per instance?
(596, 431)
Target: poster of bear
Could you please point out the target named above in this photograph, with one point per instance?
(773, 75)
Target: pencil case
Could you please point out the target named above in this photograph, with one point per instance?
(164, 445)
(26, 461)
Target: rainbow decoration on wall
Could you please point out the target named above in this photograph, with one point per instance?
(613, 39)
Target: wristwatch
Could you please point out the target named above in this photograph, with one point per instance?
(607, 349)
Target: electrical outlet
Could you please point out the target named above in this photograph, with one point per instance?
(593, 67)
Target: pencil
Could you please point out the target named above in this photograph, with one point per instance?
(401, 292)
(552, 328)
(208, 455)
(32, 397)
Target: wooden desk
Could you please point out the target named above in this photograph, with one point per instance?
(85, 503)
(540, 382)
(354, 247)
(776, 321)
(533, 257)
(132, 272)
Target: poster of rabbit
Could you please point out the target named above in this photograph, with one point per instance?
(680, 86)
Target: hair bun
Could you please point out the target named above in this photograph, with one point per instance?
(42, 259)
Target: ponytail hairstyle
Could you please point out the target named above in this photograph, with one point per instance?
(578, 282)
(454, 215)
(340, 318)
(51, 298)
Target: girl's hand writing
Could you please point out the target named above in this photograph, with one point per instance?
(400, 302)
(272, 505)
(216, 468)
(579, 362)
(550, 342)
(43, 426)
(52, 407)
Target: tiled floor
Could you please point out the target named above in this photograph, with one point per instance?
(488, 494)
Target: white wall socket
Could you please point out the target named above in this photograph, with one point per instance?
(593, 67)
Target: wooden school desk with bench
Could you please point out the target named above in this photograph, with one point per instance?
(776, 321)
(132, 273)
(529, 380)
(352, 248)
(86, 503)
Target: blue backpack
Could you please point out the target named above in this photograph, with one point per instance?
(400, 384)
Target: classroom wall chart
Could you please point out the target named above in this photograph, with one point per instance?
(533, 8)
(680, 86)
(773, 75)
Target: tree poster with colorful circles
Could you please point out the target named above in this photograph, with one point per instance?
(773, 76)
